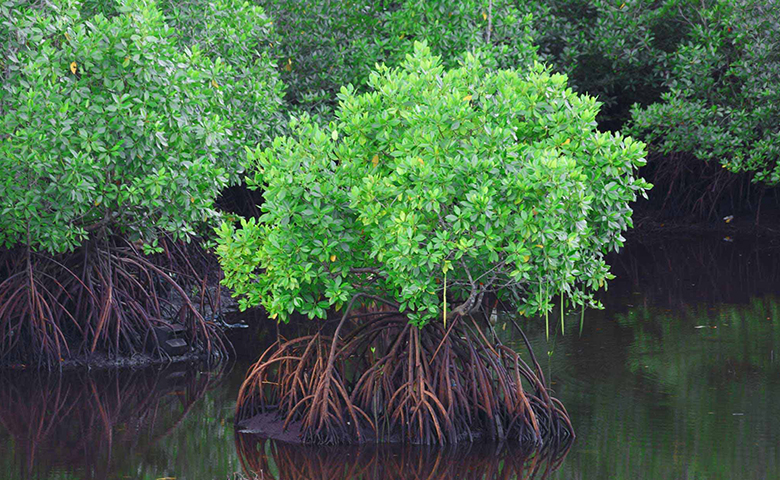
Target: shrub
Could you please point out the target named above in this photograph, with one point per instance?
(112, 130)
(437, 184)
(117, 133)
(723, 102)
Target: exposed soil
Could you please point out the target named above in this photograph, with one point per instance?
(271, 425)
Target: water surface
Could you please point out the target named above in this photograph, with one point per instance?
(677, 378)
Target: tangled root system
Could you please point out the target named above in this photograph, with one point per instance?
(103, 298)
(387, 380)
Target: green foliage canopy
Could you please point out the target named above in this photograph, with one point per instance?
(436, 183)
(111, 127)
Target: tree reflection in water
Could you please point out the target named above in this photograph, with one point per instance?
(269, 459)
(89, 422)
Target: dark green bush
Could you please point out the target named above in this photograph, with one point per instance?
(326, 44)
(723, 103)
(614, 50)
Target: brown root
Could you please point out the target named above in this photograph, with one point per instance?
(104, 298)
(387, 380)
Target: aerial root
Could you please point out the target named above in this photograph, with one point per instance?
(389, 380)
(104, 298)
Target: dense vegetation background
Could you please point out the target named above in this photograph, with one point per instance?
(129, 130)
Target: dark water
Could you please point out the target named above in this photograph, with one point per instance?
(677, 378)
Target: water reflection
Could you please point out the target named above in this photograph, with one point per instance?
(92, 424)
(678, 272)
(703, 387)
(679, 378)
(268, 459)
(655, 393)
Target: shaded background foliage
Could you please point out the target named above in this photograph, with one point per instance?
(323, 46)
(723, 101)
(697, 80)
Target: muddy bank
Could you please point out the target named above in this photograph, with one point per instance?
(271, 425)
